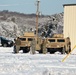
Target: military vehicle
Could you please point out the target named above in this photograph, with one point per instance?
(58, 43)
(26, 42)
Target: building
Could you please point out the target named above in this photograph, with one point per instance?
(70, 23)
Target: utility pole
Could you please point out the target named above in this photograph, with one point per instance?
(37, 14)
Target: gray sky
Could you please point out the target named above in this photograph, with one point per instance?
(47, 7)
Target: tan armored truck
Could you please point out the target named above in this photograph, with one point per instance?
(58, 43)
(26, 40)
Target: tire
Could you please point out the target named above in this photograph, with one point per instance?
(40, 51)
(26, 50)
(4, 45)
(69, 50)
(50, 50)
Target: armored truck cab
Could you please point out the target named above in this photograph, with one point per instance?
(26, 40)
(60, 44)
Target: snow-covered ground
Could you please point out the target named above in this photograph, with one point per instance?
(38, 64)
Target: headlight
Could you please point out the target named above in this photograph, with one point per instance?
(26, 44)
(57, 45)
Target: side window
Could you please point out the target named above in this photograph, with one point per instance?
(60, 40)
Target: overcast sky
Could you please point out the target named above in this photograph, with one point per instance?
(47, 7)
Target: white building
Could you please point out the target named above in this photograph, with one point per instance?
(70, 23)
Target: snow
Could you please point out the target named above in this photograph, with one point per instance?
(37, 64)
(73, 51)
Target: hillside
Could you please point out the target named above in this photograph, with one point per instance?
(14, 24)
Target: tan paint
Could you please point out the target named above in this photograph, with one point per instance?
(70, 23)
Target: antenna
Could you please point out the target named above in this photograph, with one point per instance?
(37, 14)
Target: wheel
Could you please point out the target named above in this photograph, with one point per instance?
(4, 45)
(40, 51)
(26, 50)
(68, 51)
(51, 51)
(63, 50)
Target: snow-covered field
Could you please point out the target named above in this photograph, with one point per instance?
(38, 64)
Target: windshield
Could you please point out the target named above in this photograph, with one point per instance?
(30, 39)
(51, 40)
(60, 40)
(23, 39)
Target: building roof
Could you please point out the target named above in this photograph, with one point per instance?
(69, 5)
